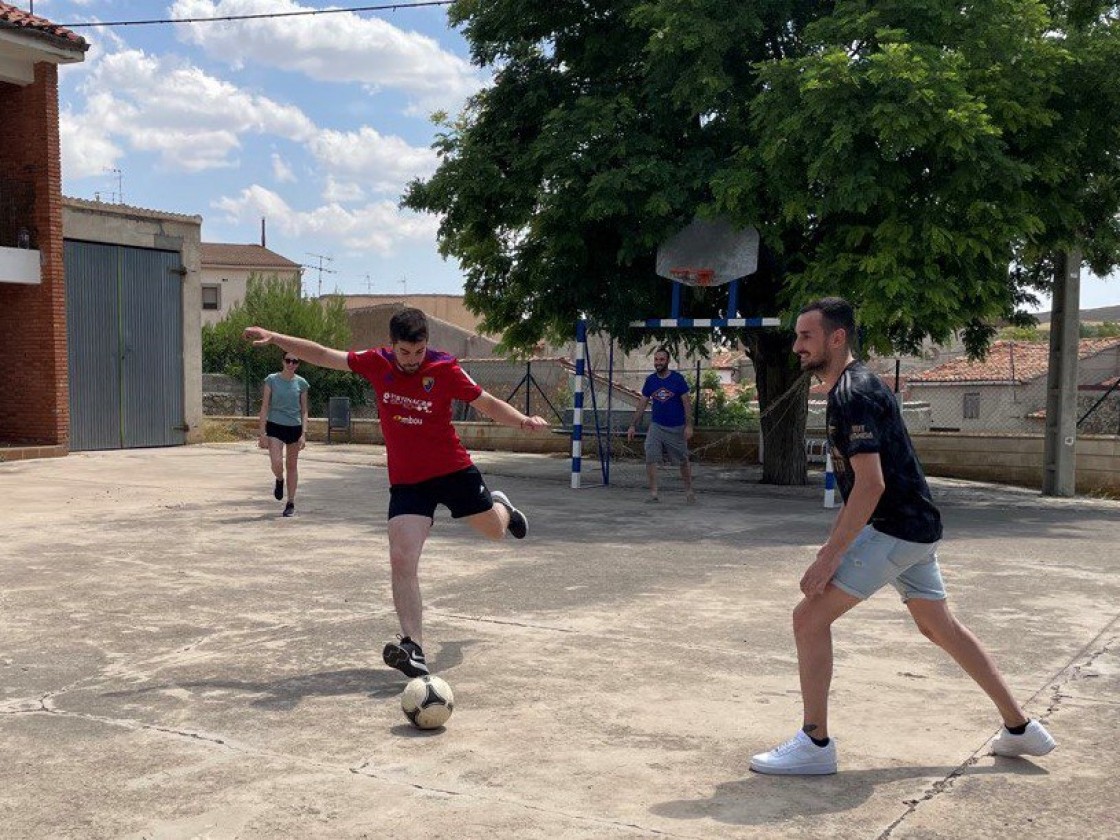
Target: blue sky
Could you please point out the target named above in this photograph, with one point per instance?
(316, 123)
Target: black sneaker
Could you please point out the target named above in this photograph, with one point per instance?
(518, 522)
(278, 490)
(290, 509)
(406, 656)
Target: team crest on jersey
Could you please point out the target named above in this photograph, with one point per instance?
(428, 382)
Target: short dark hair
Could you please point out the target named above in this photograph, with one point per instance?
(663, 349)
(836, 313)
(409, 324)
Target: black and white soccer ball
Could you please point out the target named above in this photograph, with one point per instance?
(427, 702)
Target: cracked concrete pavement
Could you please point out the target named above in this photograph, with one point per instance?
(178, 661)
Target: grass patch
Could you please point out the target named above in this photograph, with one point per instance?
(224, 431)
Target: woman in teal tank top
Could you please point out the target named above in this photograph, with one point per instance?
(283, 425)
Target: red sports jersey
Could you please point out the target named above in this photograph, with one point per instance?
(415, 412)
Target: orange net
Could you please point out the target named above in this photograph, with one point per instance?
(697, 276)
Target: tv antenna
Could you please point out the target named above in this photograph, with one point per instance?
(321, 269)
(119, 194)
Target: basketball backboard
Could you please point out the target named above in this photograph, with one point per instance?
(708, 252)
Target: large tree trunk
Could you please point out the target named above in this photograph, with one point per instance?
(783, 403)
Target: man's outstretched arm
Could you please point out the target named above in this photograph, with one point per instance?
(308, 351)
(504, 413)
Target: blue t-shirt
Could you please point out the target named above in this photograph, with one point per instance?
(665, 398)
(283, 407)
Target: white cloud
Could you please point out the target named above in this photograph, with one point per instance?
(342, 192)
(160, 104)
(86, 151)
(340, 47)
(382, 163)
(281, 171)
(380, 226)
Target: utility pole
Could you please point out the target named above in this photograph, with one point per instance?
(404, 285)
(1058, 462)
(369, 286)
(321, 269)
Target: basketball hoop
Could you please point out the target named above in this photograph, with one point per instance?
(693, 276)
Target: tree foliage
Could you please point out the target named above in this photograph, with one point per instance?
(903, 153)
(277, 305)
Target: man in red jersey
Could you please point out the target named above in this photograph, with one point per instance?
(428, 465)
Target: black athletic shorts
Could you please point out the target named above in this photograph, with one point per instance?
(464, 493)
(285, 434)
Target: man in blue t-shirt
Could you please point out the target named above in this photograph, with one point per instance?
(887, 532)
(670, 427)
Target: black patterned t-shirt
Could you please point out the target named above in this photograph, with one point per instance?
(863, 416)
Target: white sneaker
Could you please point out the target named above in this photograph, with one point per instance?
(798, 756)
(1035, 741)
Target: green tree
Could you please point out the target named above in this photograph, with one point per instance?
(276, 304)
(1013, 333)
(903, 153)
(719, 409)
(1105, 329)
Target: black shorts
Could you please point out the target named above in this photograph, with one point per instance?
(285, 434)
(464, 493)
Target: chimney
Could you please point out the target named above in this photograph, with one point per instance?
(263, 245)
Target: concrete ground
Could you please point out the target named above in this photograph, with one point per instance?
(177, 661)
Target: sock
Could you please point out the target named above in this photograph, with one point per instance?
(820, 742)
(1018, 730)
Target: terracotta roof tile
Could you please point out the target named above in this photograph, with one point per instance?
(40, 27)
(247, 256)
(1008, 362)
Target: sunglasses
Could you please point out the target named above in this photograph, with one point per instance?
(291, 361)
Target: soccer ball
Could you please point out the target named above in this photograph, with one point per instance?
(427, 702)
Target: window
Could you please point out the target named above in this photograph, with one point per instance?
(972, 406)
(211, 297)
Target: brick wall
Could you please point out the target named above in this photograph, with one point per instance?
(34, 407)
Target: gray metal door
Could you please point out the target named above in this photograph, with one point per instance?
(125, 329)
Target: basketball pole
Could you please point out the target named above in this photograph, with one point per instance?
(577, 403)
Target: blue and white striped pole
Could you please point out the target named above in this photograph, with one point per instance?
(829, 479)
(577, 405)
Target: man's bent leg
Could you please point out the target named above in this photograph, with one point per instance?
(407, 534)
(491, 523)
(940, 626)
(812, 630)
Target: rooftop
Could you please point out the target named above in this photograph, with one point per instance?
(244, 256)
(1007, 363)
(13, 19)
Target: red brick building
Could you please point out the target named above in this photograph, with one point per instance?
(34, 409)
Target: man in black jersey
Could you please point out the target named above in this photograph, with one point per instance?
(887, 532)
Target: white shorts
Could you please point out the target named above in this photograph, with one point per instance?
(875, 559)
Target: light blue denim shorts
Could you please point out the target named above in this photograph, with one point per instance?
(875, 559)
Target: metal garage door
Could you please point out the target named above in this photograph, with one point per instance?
(124, 323)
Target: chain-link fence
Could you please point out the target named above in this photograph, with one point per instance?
(1003, 394)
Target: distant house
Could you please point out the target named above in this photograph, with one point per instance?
(1006, 391)
(226, 268)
